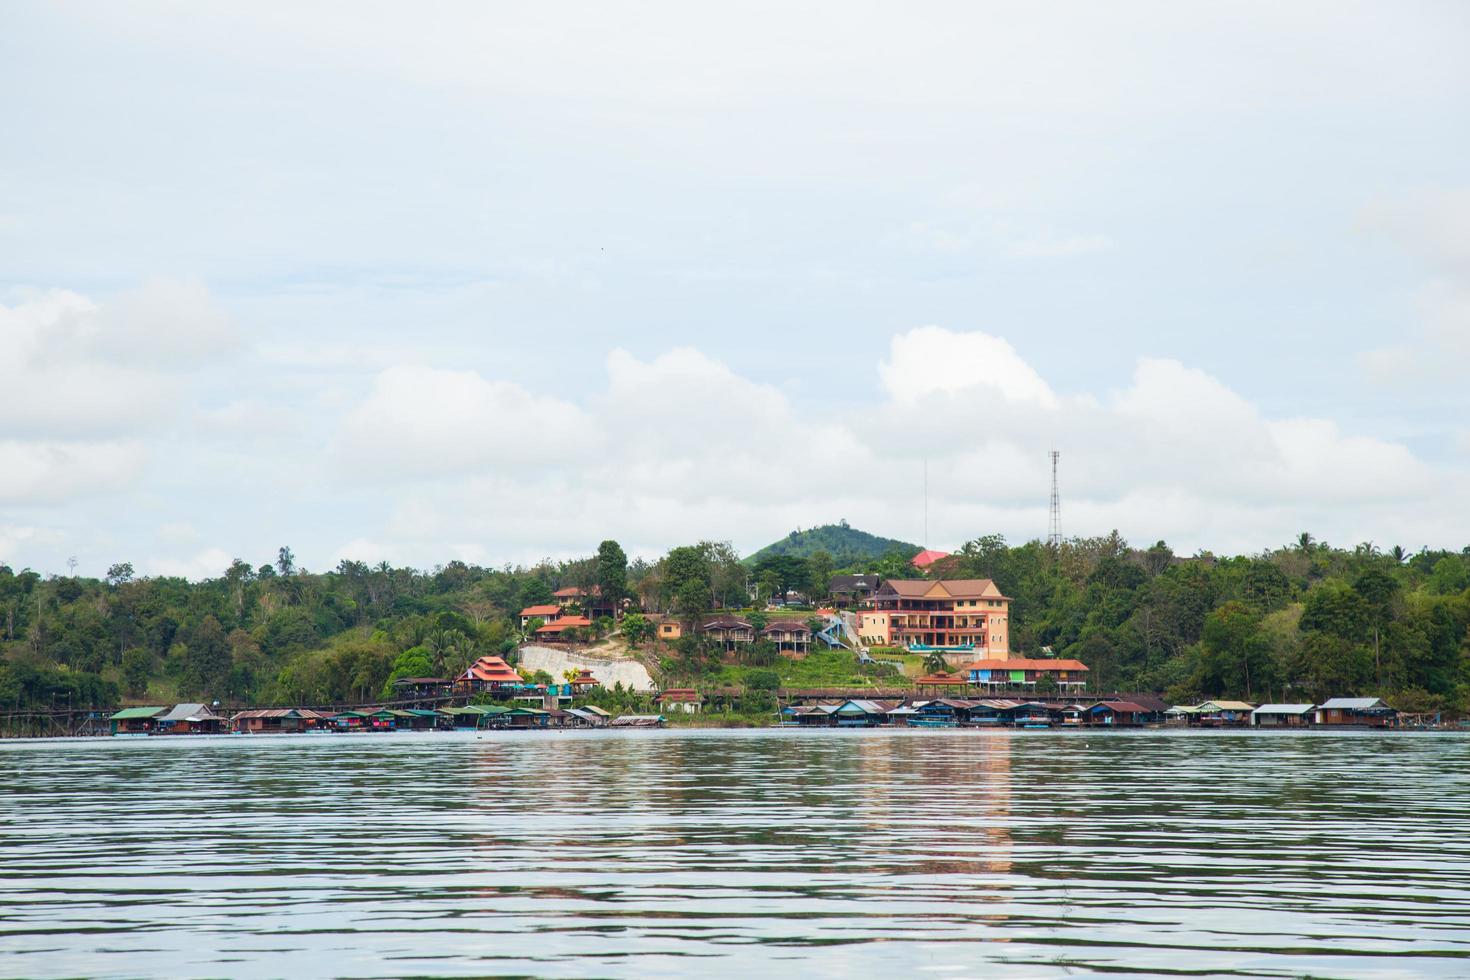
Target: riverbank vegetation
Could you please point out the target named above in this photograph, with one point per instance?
(1299, 622)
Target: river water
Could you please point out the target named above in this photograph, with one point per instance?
(737, 853)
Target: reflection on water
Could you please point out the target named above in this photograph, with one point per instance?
(662, 853)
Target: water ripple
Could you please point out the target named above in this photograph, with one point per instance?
(654, 853)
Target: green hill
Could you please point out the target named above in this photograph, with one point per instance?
(846, 545)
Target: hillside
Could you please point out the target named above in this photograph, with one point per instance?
(846, 545)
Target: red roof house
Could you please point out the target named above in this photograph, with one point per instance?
(927, 557)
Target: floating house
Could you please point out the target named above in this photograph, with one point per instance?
(588, 716)
(136, 721)
(1355, 712)
(1282, 716)
(637, 721)
(1116, 714)
(278, 720)
(1223, 714)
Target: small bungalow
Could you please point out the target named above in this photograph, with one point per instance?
(684, 699)
(136, 721)
(1282, 716)
(547, 613)
(667, 629)
(788, 635)
(729, 632)
(1356, 712)
(559, 631)
(637, 721)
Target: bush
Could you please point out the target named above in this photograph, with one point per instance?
(762, 680)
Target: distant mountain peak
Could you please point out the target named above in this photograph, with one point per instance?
(846, 544)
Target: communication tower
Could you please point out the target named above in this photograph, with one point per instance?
(1054, 529)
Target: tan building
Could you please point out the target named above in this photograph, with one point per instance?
(967, 614)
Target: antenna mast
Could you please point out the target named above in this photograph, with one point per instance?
(1054, 529)
(926, 501)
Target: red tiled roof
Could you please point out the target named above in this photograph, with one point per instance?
(926, 558)
(566, 622)
(542, 611)
(678, 694)
(1021, 663)
(492, 669)
(575, 592)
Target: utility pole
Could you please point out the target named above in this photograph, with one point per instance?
(1054, 529)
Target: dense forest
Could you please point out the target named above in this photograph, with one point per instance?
(1300, 622)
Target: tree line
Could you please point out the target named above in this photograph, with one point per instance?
(1301, 622)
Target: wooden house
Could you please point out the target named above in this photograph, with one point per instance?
(1355, 712)
(136, 721)
(789, 635)
(1282, 716)
(1116, 714)
(278, 720)
(729, 632)
(189, 719)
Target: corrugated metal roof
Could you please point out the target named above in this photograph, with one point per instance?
(1284, 709)
(1359, 703)
(128, 713)
(190, 712)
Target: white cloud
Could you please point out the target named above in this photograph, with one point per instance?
(54, 472)
(680, 447)
(420, 422)
(931, 359)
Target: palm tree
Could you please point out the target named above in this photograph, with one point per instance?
(1304, 543)
(1398, 554)
(934, 663)
(439, 643)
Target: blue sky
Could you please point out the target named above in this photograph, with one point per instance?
(495, 282)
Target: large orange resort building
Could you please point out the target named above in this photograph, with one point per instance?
(959, 615)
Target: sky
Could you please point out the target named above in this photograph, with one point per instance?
(496, 281)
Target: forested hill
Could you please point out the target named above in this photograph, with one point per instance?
(847, 546)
